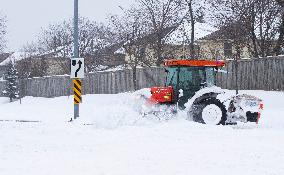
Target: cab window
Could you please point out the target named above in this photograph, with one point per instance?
(191, 76)
(171, 77)
(210, 76)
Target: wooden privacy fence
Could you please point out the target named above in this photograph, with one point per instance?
(265, 74)
(93, 83)
(254, 74)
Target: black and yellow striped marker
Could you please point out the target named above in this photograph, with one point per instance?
(77, 91)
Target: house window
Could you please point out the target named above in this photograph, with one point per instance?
(186, 53)
(228, 49)
(142, 52)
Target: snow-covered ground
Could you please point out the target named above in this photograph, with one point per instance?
(110, 138)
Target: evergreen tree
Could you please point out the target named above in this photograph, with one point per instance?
(11, 77)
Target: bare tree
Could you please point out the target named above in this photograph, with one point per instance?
(24, 68)
(163, 17)
(195, 14)
(267, 20)
(32, 67)
(57, 38)
(56, 41)
(280, 39)
(254, 22)
(3, 32)
(132, 31)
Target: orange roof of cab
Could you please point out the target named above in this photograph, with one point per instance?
(197, 63)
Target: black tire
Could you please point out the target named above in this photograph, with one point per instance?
(197, 110)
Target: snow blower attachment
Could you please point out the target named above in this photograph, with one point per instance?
(190, 86)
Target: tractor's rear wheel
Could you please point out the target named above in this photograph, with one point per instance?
(210, 111)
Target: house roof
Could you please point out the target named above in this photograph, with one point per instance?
(183, 32)
(227, 32)
(217, 35)
(14, 56)
(143, 40)
(151, 36)
(18, 56)
(4, 56)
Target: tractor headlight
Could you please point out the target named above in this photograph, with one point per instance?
(167, 97)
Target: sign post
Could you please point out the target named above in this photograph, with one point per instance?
(74, 62)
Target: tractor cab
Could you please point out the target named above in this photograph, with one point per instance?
(184, 79)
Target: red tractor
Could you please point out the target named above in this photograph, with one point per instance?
(190, 86)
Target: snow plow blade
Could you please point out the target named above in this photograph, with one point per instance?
(244, 108)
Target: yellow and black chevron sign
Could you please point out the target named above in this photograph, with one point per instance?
(77, 91)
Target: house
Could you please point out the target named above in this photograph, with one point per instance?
(209, 43)
(110, 56)
(29, 64)
(3, 68)
(54, 63)
(2, 71)
(175, 46)
(141, 50)
(218, 45)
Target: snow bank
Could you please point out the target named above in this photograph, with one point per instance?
(120, 142)
(107, 111)
(111, 111)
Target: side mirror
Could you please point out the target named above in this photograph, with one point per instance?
(180, 94)
(204, 84)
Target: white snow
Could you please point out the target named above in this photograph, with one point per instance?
(119, 142)
(114, 69)
(121, 50)
(2, 79)
(183, 33)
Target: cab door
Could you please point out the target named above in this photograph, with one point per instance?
(190, 81)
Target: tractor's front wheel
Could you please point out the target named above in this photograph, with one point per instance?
(210, 111)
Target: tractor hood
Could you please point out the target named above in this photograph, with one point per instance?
(162, 94)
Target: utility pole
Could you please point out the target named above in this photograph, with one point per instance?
(76, 50)
(237, 57)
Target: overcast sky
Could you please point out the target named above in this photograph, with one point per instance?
(27, 17)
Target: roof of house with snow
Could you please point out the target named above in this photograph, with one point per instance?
(4, 56)
(183, 33)
(226, 32)
(12, 57)
(220, 34)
